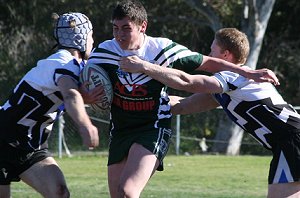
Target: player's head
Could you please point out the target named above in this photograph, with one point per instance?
(230, 44)
(133, 9)
(129, 20)
(73, 30)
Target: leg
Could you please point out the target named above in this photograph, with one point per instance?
(114, 174)
(140, 166)
(291, 190)
(4, 191)
(46, 178)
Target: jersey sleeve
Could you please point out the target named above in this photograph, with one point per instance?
(180, 57)
(189, 63)
(71, 69)
(230, 81)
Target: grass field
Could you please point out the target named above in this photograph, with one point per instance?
(198, 176)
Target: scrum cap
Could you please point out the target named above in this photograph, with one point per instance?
(71, 30)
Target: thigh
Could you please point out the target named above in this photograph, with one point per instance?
(46, 177)
(284, 190)
(114, 173)
(140, 166)
(157, 142)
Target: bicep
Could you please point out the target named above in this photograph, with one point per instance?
(204, 84)
(65, 84)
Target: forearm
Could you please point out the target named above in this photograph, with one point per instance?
(214, 65)
(75, 108)
(173, 78)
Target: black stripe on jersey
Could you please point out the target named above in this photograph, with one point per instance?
(231, 86)
(138, 78)
(58, 94)
(105, 51)
(64, 72)
(29, 103)
(224, 100)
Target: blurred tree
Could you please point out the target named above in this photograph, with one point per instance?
(26, 35)
(253, 21)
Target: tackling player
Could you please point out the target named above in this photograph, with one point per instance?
(28, 114)
(256, 107)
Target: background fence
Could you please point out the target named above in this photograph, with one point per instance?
(187, 139)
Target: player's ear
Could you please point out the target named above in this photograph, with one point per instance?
(143, 27)
(227, 55)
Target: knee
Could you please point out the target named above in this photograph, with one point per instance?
(63, 191)
(128, 192)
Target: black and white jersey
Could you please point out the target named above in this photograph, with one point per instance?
(141, 103)
(257, 107)
(28, 115)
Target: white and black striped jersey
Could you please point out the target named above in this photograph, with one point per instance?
(28, 115)
(139, 102)
(257, 107)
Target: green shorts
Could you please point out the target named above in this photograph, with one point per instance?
(156, 141)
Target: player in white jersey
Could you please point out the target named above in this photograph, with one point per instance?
(28, 115)
(256, 107)
(140, 112)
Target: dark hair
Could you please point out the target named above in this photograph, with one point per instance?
(132, 9)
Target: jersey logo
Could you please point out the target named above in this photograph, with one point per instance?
(131, 80)
(4, 171)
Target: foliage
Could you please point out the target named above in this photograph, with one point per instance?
(281, 46)
(26, 32)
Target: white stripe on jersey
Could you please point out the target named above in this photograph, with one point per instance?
(180, 55)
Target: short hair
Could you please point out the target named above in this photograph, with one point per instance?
(235, 41)
(132, 9)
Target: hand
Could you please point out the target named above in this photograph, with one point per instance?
(132, 64)
(263, 75)
(89, 136)
(91, 96)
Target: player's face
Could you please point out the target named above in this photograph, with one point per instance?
(89, 44)
(215, 51)
(128, 35)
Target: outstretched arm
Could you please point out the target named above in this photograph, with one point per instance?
(214, 65)
(172, 77)
(195, 103)
(75, 108)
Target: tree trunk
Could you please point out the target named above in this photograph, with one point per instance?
(228, 137)
(254, 24)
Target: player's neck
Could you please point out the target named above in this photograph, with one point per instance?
(77, 55)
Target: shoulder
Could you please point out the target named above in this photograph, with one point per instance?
(108, 44)
(61, 56)
(159, 40)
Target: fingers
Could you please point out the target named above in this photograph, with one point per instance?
(93, 140)
(271, 77)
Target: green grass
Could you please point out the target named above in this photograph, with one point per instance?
(184, 177)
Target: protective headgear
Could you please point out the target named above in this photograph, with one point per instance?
(71, 30)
